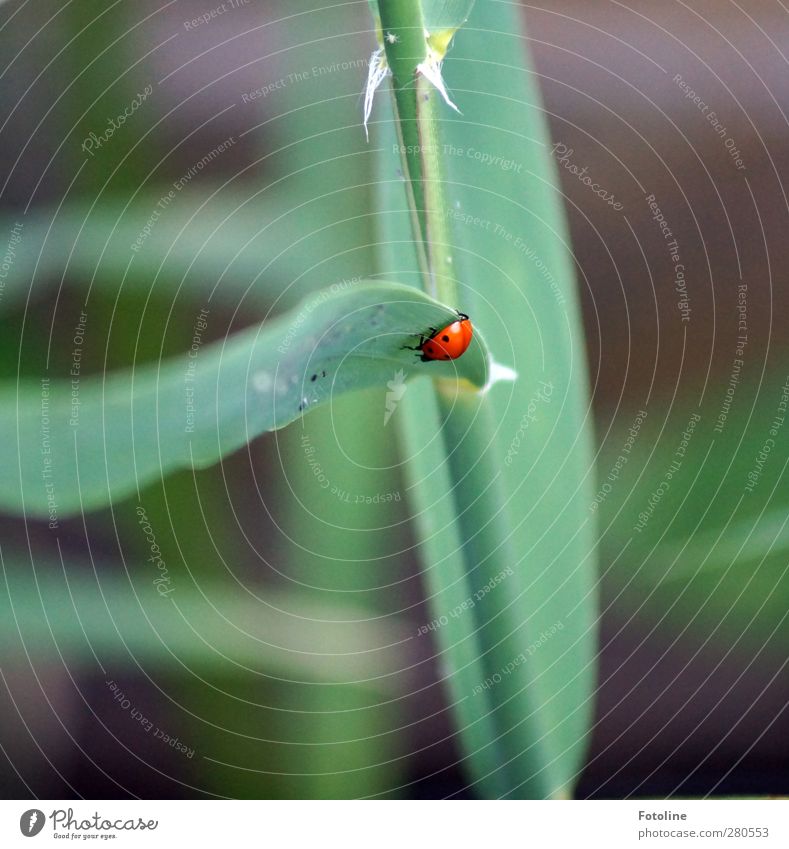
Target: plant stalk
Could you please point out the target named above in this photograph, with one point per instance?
(419, 132)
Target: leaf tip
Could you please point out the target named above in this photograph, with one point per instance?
(497, 373)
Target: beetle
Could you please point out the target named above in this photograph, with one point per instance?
(448, 343)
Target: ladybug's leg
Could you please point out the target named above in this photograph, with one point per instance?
(422, 340)
(461, 315)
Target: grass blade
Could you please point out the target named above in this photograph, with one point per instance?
(519, 458)
(65, 452)
(214, 244)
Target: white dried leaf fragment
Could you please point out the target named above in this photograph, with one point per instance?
(376, 74)
(430, 69)
(436, 45)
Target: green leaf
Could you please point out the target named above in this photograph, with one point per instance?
(285, 633)
(510, 566)
(215, 244)
(70, 446)
(452, 578)
(305, 688)
(446, 14)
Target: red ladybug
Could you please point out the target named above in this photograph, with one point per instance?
(448, 343)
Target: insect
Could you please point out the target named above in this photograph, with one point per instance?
(448, 343)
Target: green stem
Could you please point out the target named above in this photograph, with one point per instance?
(402, 29)
(416, 204)
(438, 236)
(419, 131)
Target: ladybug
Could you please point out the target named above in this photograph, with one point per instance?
(449, 343)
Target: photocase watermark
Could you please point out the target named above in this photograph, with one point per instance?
(296, 77)
(518, 243)
(310, 307)
(47, 467)
(624, 455)
(347, 497)
(483, 157)
(396, 390)
(214, 13)
(739, 356)
(564, 156)
(76, 367)
(163, 582)
(519, 659)
(95, 142)
(178, 185)
(467, 604)
(713, 120)
(541, 396)
(146, 724)
(680, 284)
(676, 464)
(200, 325)
(194, 170)
(9, 257)
(769, 443)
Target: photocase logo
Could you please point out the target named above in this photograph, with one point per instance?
(397, 387)
(66, 825)
(31, 822)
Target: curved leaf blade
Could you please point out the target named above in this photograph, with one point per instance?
(65, 449)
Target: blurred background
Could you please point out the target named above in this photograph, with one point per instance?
(240, 181)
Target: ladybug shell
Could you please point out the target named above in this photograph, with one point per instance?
(449, 343)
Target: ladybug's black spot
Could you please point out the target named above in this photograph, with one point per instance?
(445, 338)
